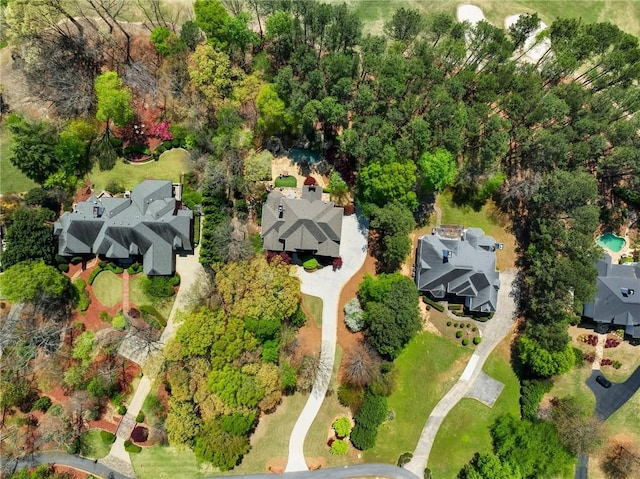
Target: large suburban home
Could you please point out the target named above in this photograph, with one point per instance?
(617, 301)
(302, 225)
(456, 263)
(150, 222)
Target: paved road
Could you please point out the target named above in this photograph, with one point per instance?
(64, 459)
(582, 468)
(609, 400)
(495, 331)
(327, 285)
(363, 470)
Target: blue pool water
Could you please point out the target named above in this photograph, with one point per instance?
(299, 155)
(611, 242)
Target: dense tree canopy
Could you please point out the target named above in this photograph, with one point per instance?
(29, 236)
(33, 281)
(114, 100)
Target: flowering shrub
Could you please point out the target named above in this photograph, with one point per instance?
(611, 343)
(353, 315)
(337, 263)
(161, 130)
(590, 339)
(309, 181)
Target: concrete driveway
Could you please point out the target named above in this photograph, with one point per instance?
(495, 331)
(327, 284)
(609, 400)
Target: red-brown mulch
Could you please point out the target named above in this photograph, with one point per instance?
(309, 341)
(73, 472)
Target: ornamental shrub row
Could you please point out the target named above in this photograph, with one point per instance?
(433, 304)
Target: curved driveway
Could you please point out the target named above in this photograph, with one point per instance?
(494, 331)
(609, 400)
(327, 284)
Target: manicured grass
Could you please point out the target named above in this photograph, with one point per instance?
(286, 182)
(108, 288)
(626, 420)
(573, 384)
(165, 463)
(168, 167)
(489, 218)
(95, 447)
(313, 306)
(270, 441)
(139, 298)
(427, 369)
(12, 180)
(465, 430)
(624, 13)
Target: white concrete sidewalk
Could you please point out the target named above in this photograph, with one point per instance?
(326, 284)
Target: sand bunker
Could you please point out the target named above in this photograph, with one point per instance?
(534, 52)
(469, 13)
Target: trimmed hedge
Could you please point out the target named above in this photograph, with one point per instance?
(131, 447)
(84, 300)
(310, 264)
(107, 437)
(458, 334)
(477, 340)
(76, 260)
(94, 273)
(63, 267)
(465, 342)
(140, 417)
(433, 304)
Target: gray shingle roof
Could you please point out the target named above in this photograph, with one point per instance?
(463, 267)
(147, 224)
(617, 300)
(302, 224)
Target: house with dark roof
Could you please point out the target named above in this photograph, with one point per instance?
(305, 224)
(150, 222)
(617, 301)
(458, 262)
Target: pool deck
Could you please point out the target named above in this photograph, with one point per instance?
(626, 250)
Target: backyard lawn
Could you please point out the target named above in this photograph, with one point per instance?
(465, 430)
(139, 297)
(489, 218)
(95, 448)
(107, 287)
(168, 167)
(427, 369)
(165, 463)
(286, 182)
(313, 306)
(12, 180)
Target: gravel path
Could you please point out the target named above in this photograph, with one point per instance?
(327, 284)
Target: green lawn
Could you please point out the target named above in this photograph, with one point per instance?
(313, 306)
(165, 463)
(169, 167)
(139, 298)
(489, 218)
(12, 180)
(286, 182)
(270, 441)
(107, 287)
(465, 430)
(427, 369)
(95, 448)
(624, 13)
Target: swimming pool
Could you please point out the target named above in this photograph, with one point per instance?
(611, 242)
(298, 155)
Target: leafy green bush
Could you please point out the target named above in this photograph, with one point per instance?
(465, 342)
(104, 316)
(310, 264)
(339, 447)
(342, 427)
(63, 267)
(363, 438)
(84, 300)
(350, 396)
(119, 322)
(140, 417)
(131, 447)
(579, 355)
(372, 413)
(93, 274)
(404, 459)
(531, 394)
(122, 409)
(448, 323)
(433, 304)
(43, 404)
(354, 315)
(238, 424)
(271, 351)
(158, 286)
(76, 260)
(458, 334)
(107, 437)
(477, 340)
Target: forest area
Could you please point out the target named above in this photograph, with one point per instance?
(427, 105)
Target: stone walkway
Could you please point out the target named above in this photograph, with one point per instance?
(125, 292)
(495, 331)
(602, 339)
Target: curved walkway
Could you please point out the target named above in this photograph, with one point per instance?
(327, 284)
(97, 469)
(495, 331)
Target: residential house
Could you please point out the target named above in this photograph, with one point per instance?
(305, 224)
(150, 223)
(617, 301)
(455, 262)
